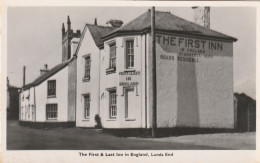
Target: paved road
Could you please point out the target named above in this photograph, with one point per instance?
(19, 137)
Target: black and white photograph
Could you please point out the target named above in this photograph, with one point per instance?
(130, 81)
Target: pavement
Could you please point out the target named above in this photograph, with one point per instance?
(25, 138)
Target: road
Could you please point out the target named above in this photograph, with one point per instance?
(25, 138)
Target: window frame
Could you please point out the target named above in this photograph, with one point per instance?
(47, 112)
(32, 112)
(112, 65)
(112, 58)
(86, 110)
(112, 105)
(48, 88)
(87, 67)
(131, 54)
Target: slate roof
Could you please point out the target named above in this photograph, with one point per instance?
(165, 21)
(97, 33)
(48, 74)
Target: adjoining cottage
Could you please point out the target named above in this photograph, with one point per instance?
(50, 100)
(88, 74)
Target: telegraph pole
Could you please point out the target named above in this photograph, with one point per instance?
(154, 85)
(23, 75)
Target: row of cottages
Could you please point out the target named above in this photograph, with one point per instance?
(50, 100)
(112, 68)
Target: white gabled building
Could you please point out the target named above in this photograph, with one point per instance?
(194, 73)
(88, 74)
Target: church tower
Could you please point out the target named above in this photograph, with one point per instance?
(67, 36)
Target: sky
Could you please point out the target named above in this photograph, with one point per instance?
(34, 36)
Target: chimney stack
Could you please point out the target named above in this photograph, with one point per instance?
(202, 16)
(43, 71)
(115, 23)
(95, 22)
(23, 75)
(74, 45)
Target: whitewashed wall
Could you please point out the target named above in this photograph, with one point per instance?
(88, 47)
(194, 94)
(136, 116)
(61, 98)
(26, 105)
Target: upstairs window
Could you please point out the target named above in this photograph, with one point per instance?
(129, 54)
(87, 67)
(112, 60)
(52, 88)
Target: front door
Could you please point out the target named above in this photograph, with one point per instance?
(129, 103)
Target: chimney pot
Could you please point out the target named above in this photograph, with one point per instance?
(43, 71)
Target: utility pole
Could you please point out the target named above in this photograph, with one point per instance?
(154, 85)
(23, 75)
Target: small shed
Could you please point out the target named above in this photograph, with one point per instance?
(245, 107)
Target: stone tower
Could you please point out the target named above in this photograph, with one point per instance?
(67, 36)
(202, 16)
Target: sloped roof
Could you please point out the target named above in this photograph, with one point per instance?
(48, 74)
(165, 21)
(97, 33)
(12, 87)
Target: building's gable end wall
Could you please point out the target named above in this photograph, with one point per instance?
(91, 86)
(193, 92)
(61, 97)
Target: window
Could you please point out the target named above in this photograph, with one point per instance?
(52, 88)
(129, 54)
(51, 111)
(28, 112)
(86, 106)
(112, 104)
(25, 114)
(32, 112)
(112, 61)
(22, 113)
(87, 67)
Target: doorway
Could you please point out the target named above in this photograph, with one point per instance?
(129, 102)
